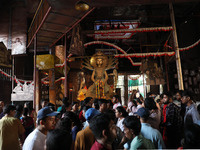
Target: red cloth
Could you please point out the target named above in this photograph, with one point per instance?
(98, 146)
(165, 119)
(164, 113)
(82, 119)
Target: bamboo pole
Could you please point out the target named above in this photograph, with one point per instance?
(178, 61)
(34, 71)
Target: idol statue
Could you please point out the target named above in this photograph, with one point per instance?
(99, 63)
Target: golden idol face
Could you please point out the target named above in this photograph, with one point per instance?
(99, 62)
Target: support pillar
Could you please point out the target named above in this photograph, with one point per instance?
(125, 89)
(37, 90)
(176, 47)
(52, 92)
(65, 59)
(34, 71)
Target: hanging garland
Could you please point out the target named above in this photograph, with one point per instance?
(99, 87)
(136, 78)
(28, 81)
(184, 48)
(137, 55)
(152, 29)
(115, 46)
(14, 78)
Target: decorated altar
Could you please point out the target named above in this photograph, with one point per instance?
(99, 64)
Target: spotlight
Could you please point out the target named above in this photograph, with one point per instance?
(81, 5)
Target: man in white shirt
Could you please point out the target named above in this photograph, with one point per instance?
(116, 101)
(46, 122)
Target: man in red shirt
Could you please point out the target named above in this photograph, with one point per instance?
(104, 131)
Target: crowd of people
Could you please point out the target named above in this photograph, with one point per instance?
(163, 121)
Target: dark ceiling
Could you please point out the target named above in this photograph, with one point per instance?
(62, 17)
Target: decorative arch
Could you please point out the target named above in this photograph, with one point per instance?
(115, 46)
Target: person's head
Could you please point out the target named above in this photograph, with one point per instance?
(58, 140)
(120, 112)
(149, 94)
(90, 113)
(88, 101)
(103, 128)
(150, 104)
(133, 94)
(143, 113)
(28, 105)
(46, 119)
(65, 100)
(115, 99)
(191, 137)
(111, 114)
(102, 105)
(67, 104)
(19, 111)
(85, 108)
(132, 127)
(75, 106)
(9, 110)
(167, 97)
(187, 97)
(1, 106)
(138, 101)
(51, 105)
(178, 95)
(74, 118)
(64, 124)
(44, 102)
(95, 104)
(19, 108)
(109, 104)
(137, 95)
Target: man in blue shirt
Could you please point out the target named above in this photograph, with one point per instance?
(191, 114)
(147, 131)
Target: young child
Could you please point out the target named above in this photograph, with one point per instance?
(120, 113)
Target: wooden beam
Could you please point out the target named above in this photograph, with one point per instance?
(65, 67)
(52, 92)
(38, 20)
(176, 47)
